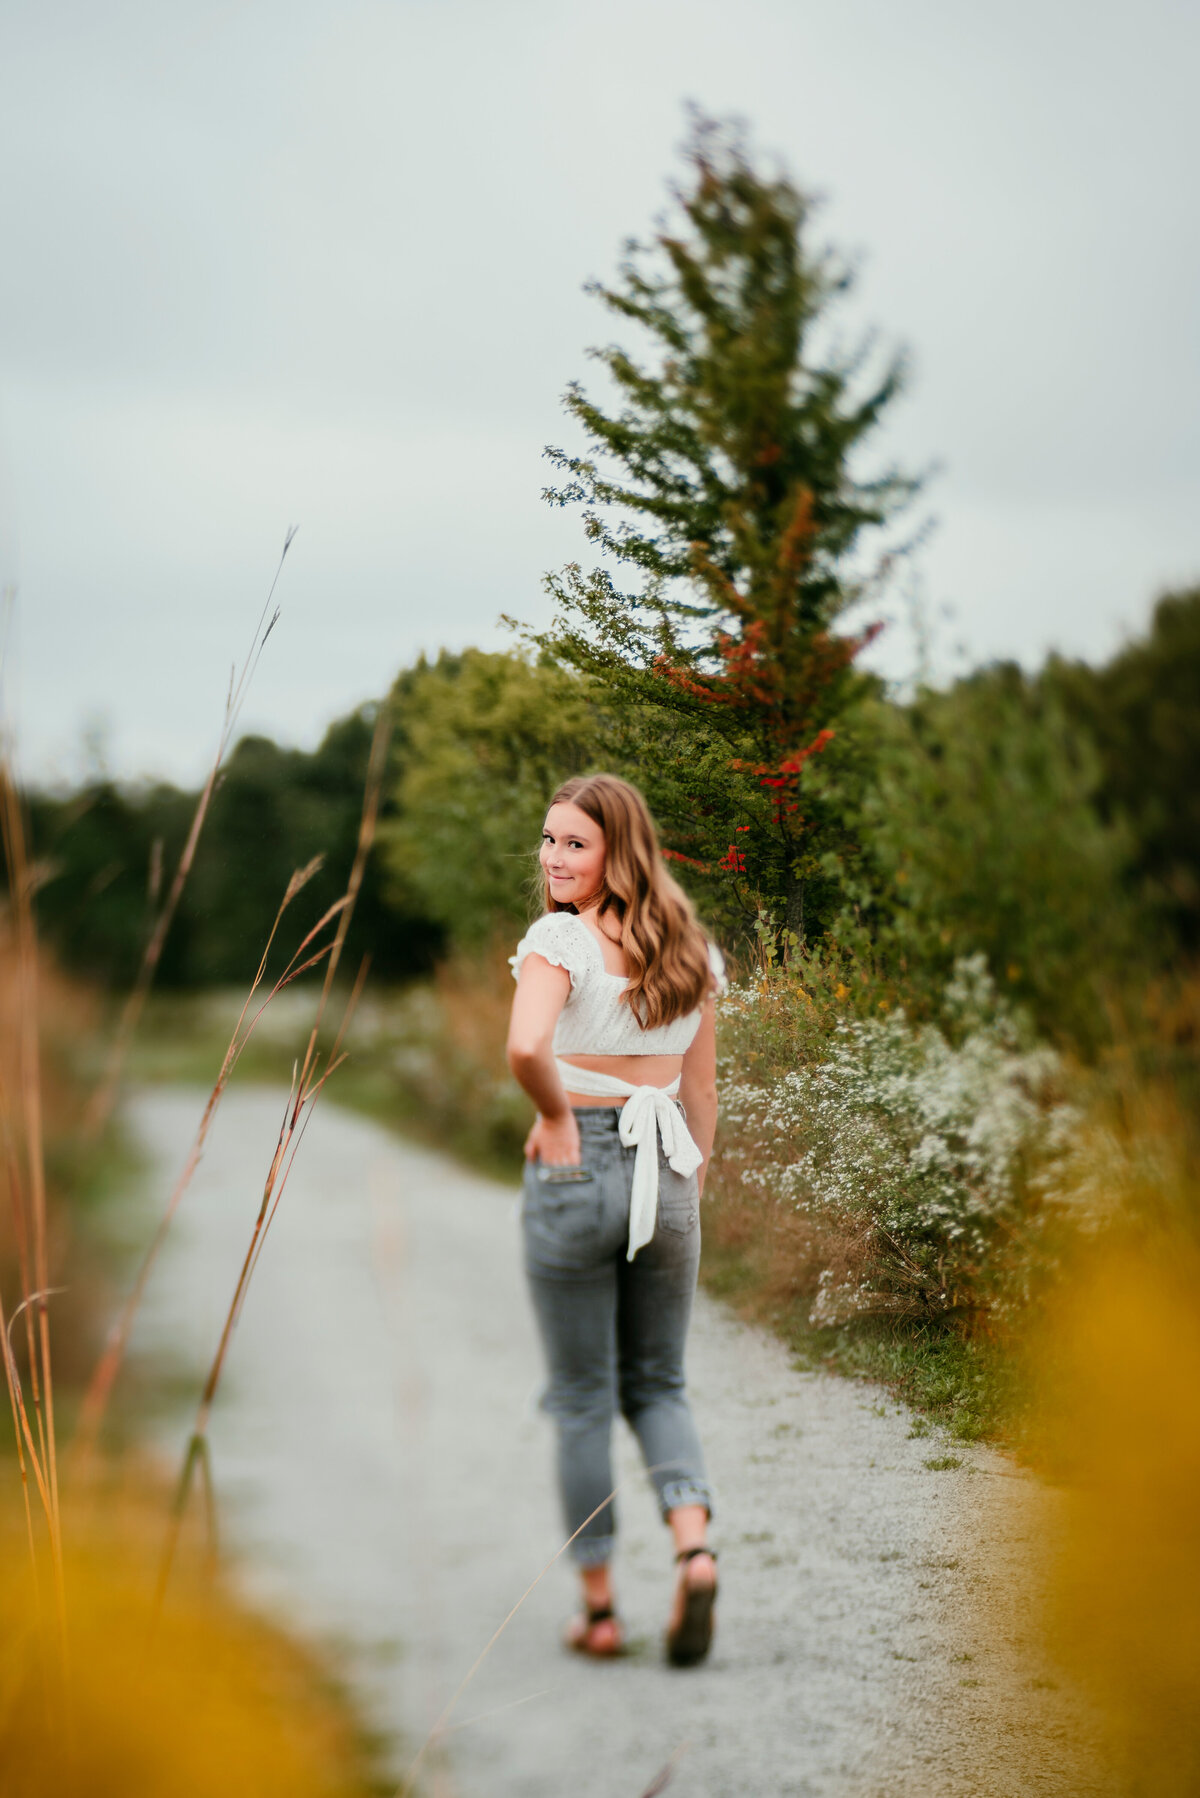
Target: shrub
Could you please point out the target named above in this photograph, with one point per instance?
(917, 1151)
(983, 833)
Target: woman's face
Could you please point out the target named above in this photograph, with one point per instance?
(572, 855)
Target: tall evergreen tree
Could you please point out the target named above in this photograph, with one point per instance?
(718, 487)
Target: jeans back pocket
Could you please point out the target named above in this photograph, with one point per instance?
(563, 1205)
(678, 1199)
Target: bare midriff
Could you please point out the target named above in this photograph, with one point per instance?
(635, 1070)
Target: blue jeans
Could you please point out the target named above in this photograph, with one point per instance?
(613, 1330)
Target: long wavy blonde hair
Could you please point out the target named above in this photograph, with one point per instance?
(666, 951)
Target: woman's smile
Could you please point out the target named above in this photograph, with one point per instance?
(572, 853)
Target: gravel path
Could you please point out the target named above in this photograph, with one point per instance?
(384, 1478)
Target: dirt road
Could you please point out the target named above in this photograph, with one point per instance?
(384, 1477)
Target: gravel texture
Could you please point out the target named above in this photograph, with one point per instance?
(384, 1478)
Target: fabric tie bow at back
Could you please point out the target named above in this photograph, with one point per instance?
(648, 1116)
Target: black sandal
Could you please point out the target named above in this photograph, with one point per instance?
(578, 1642)
(691, 1639)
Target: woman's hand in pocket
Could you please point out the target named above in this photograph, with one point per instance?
(554, 1141)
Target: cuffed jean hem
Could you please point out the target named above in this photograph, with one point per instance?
(685, 1492)
(592, 1551)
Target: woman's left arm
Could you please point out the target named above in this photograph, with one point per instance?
(698, 1086)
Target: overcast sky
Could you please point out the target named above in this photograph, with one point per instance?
(296, 262)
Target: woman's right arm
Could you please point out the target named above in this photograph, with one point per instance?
(542, 991)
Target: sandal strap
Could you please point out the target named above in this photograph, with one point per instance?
(689, 1554)
(605, 1614)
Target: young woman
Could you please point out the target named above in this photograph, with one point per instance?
(612, 1038)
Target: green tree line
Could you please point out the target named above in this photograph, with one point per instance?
(1050, 819)
(740, 539)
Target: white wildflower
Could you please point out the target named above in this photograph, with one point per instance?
(929, 1141)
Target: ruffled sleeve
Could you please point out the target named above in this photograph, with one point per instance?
(716, 962)
(559, 938)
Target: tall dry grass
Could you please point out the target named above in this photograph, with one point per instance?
(105, 1095)
(303, 960)
(308, 1081)
(69, 1019)
(85, 1702)
(22, 1141)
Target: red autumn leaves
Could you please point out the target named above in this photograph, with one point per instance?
(779, 669)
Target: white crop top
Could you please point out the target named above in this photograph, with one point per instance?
(595, 1019)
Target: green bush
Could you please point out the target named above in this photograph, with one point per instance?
(1142, 710)
(912, 1148)
(983, 834)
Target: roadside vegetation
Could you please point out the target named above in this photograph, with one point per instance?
(129, 1662)
(77, 1572)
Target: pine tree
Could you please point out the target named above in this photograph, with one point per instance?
(718, 489)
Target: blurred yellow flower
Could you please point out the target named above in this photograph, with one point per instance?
(1123, 1359)
(208, 1702)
